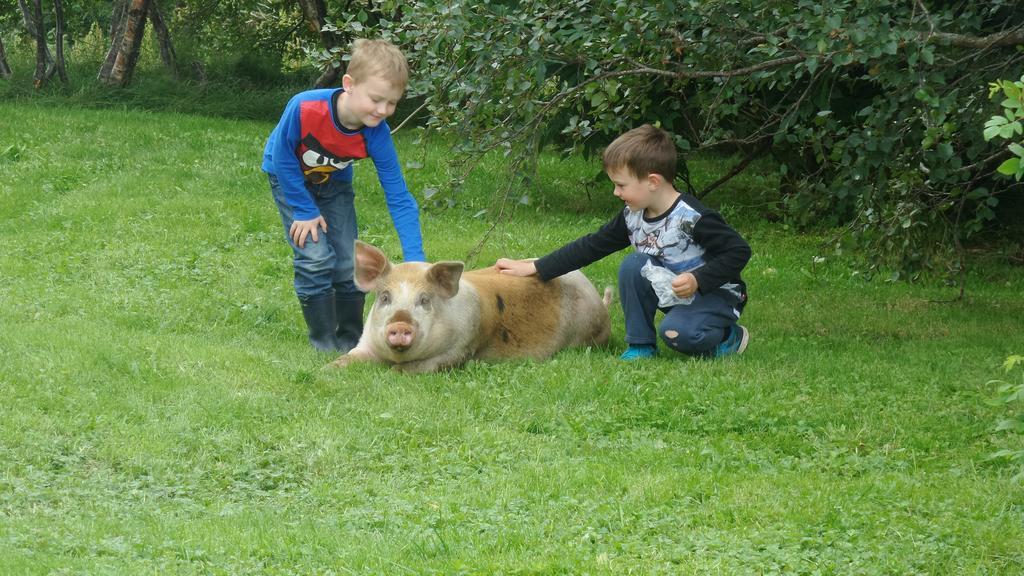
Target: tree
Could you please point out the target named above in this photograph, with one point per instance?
(58, 8)
(35, 25)
(163, 38)
(119, 12)
(126, 53)
(42, 52)
(32, 17)
(868, 107)
(315, 14)
(5, 68)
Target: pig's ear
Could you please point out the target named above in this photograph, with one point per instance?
(371, 265)
(445, 277)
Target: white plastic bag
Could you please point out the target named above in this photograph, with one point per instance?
(661, 280)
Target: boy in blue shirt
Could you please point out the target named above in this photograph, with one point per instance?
(308, 160)
(702, 254)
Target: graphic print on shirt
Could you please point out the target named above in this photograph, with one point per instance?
(318, 162)
(668, 239)
(323, 149)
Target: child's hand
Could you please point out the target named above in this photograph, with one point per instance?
(301, 229)
(684, 285)
(515, 267)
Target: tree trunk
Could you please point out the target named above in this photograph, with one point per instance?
(128, 53)
(315, 14)
(30, 26)
(58, 8)
(39, 78)
(163, 37)
(5, 68)
(117, 19)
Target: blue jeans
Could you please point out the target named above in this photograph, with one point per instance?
(694, 328)
(326, 266)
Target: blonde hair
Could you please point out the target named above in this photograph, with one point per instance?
(378, 58)
(642, 151)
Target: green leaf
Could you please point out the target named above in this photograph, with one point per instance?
(1012, 91)
(1006, 454)
(811, 64)
(1017, 149)
(1012, 361)
(1009, 167)
(1011, 425)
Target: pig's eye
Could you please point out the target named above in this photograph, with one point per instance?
(423, 301)
(384, 298)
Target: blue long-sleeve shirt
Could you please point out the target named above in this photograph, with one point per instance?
(309, 144)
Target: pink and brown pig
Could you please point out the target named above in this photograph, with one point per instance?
(428, 317)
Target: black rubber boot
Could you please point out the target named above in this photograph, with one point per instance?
(321, 319)
(350, 319)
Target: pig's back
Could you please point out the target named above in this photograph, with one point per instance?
(525, 317)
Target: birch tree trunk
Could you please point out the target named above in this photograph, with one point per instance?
(5, 68)
(117, 18)
(128, 54)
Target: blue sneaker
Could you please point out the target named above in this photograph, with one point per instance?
(736, 343)
(639, 352)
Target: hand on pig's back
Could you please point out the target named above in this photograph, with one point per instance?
(516, 267)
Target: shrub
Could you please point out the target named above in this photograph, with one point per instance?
(1012, 395)
(870, 108)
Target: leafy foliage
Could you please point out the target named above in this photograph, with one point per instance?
(1012, 395)
(1008, 125)
(869, 107)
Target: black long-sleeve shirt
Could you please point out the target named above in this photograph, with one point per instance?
(688, 237)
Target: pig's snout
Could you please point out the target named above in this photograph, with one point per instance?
(400, 335)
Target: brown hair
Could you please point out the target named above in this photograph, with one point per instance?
(642, 151)
(378, 57)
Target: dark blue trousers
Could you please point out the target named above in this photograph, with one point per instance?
(694, 328)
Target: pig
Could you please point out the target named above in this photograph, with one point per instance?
(428, 317)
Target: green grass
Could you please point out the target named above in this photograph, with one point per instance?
(163, 413)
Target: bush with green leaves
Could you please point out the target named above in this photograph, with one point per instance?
(870, 108)
(1012, 395)
(1007, 126)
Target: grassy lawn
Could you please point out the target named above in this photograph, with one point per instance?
(163, 413)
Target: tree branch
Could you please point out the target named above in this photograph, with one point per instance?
(687, 74)
(410, 116)
(1008, 38)
(740, 167)
(1001, 155)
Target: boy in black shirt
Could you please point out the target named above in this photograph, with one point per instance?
(703, 295)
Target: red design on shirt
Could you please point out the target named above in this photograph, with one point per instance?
(323, 148)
